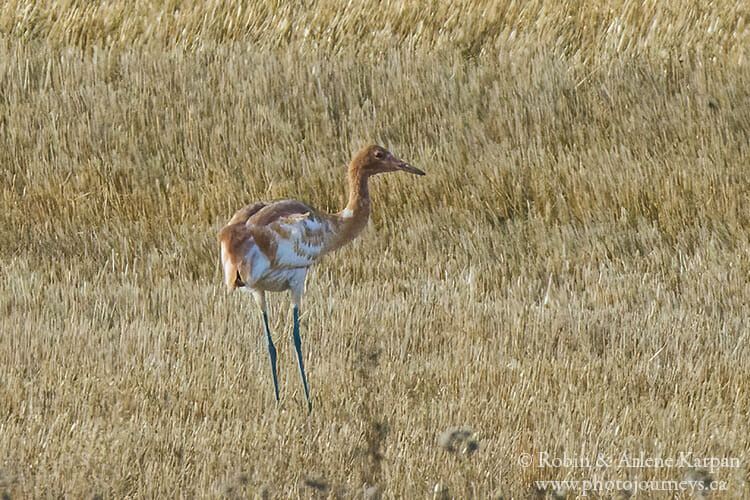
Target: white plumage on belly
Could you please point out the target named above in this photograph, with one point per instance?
(272, 278)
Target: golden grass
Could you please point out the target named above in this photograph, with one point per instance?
(588, 31)
(571, 276)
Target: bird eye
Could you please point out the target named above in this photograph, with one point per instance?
(379, 155)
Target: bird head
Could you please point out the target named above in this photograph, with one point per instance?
(375, 160)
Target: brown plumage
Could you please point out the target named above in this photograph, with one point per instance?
(270, 246)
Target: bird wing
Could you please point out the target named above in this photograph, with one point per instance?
(272, 212)
(265, 239)
(298, 233)
(243, 214)
(300, 239)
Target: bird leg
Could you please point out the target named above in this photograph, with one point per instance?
(298, 347)
(260, 297)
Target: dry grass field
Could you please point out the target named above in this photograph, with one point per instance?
(569, 280)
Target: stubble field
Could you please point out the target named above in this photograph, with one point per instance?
(569, 280)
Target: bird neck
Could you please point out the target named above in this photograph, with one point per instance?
(359, 195)
(353, 219)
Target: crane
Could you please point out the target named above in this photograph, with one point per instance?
(269, 247)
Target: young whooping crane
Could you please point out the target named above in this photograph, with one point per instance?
(271, 246)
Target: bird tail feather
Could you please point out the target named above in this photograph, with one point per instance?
(233, 248)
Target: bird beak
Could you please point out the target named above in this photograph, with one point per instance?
(402, 165)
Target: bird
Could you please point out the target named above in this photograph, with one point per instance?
(270, 247)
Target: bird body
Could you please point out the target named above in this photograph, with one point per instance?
(271, 246)
(267, 246)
